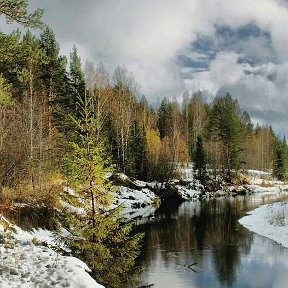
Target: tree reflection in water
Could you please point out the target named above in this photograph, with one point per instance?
(184, 235)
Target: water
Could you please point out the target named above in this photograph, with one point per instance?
(201, 244)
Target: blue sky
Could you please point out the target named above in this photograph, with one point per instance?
(170, 46)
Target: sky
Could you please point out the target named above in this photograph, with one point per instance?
(217, 46)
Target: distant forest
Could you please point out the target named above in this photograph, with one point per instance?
(41, 93)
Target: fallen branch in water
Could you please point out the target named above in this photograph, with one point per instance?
(190, 266)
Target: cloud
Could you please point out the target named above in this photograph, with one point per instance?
(263, 93)
(223, 70)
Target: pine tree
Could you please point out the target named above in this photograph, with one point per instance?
(199, 159)
(55, 79)
(17, 11)
(225, 126)
(100, 238)
(164, 123)
(280, 159)
(77, 81)
(5, 94)
(11, 57)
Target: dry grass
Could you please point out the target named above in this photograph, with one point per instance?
(45, 193)
(266, 183)
(30, 207)
(240, 178)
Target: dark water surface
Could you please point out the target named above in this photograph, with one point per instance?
(207, 236)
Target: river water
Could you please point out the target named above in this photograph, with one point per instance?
(201, 244)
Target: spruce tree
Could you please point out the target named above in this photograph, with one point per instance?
(225, 126)
(98, 236)
(77, 83)
(280, 159)
(17, 11)
(55, 79)
(164, 123)
(199, 159)
(137, 157)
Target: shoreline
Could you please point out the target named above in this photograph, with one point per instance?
(140, 202)
(270, 220)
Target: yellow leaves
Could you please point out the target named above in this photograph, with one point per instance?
(164, 154)
(153, 143)
(5, 95)
(183, 156)
(23, 75)
(169, 146)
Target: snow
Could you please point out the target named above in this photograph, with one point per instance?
(24, 264)
(71, 208)
(188, 193)
(187, 173)
(136, 203)
(69, 190)
(270, 221)
(140, 202)
(122, 176)
(140, 183)
(258, 173)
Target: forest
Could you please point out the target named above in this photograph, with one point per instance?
(42, 94)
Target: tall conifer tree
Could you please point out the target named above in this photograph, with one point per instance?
(199, 159)
(225, 126)
(99, 237)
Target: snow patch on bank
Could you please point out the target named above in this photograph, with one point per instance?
(270, 221)
(188, 193)
(136, 203)
(24, 264)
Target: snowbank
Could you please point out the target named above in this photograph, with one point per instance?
(270, 221)
(136, 203)
(24, 264)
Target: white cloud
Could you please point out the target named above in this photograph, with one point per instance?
(223, 70)
(264, 99)
(269, 15)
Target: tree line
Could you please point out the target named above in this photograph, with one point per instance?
(41, 93)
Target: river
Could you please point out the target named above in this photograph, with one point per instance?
(201, 244)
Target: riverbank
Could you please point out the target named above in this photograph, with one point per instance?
(140, 199)
(29, 259)
(270, 221)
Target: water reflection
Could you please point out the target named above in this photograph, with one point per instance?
(208, 233)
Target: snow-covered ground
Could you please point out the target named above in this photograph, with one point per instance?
(270, 221)
(24, 263)
(136, 203)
